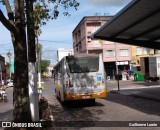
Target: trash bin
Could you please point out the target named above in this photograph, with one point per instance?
(138, 76)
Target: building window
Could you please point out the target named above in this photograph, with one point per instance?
(145, 50)
(139, 51)
(110, 53)
(124, 52)
(95, 28)
(151, 51)
(108, 42)
(157, 51)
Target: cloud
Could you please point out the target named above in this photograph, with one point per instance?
(103, 3)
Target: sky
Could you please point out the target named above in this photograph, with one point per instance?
(58, 33)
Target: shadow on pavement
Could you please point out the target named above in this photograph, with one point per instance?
(72, 115)
(6, 116)
(79, 104)
(144, 105)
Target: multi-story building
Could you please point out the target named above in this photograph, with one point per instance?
(2, 68)
(138, 52)
(111, 52)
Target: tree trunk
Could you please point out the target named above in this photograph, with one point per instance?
(21, 111)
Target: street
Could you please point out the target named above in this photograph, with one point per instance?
(116, 107)
(6, 108)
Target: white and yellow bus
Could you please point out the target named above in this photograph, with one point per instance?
(80, 76)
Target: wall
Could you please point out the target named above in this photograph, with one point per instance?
(61, 52)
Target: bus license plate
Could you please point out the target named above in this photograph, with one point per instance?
(86, 96)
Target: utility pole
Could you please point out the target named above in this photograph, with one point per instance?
(9, 54)
(32, 73)
(117, 73)
(39, 51)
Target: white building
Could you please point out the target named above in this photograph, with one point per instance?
(61, 52)
(50, 69)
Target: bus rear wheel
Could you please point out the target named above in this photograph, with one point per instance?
(61, 102)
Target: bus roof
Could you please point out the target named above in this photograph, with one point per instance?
(77, 55)
(83, 55)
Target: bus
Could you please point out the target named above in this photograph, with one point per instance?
(80, 77)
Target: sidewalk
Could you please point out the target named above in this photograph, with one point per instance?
(49, 94)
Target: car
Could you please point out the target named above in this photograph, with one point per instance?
(9, 84)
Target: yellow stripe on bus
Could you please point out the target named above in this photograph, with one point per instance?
(70, 96)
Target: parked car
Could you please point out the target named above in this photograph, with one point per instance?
(9, 83)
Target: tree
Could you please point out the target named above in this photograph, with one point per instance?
(16, 24)
(44, 65)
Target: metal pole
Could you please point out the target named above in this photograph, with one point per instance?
(0, 72)
(9, 54)
(39, 70)
(116, 66)
(10, 68)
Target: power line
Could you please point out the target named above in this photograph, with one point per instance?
(6, 44)
(50, 50)
(55, 41)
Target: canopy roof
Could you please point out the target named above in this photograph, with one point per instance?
(137, 24)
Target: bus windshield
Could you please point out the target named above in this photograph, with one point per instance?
(83, 64)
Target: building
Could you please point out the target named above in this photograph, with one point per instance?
(61, 52)
(82, 42)
(2, 68)
(138, 52)
(50, 70)
(111, 51)
(7, 67)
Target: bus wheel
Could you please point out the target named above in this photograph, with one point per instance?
(62, 102)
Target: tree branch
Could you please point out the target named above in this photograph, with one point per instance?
(7, 23)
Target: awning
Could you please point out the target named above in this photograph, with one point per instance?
(137, 24)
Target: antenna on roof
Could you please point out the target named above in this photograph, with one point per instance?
(97, 14)
(106, 14)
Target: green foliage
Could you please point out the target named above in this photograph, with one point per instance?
(44, 65)
(45, 10)
(1, 1)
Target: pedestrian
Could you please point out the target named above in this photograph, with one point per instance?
(2, 82)
(3, 93)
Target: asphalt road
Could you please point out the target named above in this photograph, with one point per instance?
(116, 107)
(7, 107)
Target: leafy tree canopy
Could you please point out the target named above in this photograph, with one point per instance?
(45, 10)
(27, 15)
(44, 65)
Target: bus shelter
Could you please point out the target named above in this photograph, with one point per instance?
(137, 24)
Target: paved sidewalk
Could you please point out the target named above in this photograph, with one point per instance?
(49, 94)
